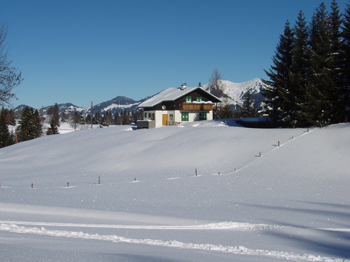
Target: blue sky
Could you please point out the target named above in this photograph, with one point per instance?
(82, 51)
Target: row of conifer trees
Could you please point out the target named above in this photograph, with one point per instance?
(309, 81)
(29, 125)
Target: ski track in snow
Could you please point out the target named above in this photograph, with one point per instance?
(212, 226)
(10, 226)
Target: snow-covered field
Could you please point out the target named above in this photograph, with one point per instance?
(194, 192)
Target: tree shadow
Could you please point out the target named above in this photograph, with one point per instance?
(319, 240)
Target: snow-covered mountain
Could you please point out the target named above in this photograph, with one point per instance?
(233, 94)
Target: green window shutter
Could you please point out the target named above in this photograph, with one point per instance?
(199, 99)
(184, 116)
(188, 98)
(202, 116)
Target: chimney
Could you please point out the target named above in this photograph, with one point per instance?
(183, 86)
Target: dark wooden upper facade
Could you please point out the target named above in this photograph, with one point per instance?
(181, 104)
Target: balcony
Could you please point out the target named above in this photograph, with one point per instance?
(195, 107)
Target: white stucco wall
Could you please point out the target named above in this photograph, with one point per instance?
(158, 115)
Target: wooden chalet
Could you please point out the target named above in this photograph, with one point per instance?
(175, 105)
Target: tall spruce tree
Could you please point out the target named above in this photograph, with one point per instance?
(345, 60)
(5, 136)
(322, 87)
(335, 20)
(53, 129)
(299, 115)
(248, 109)
(277, 102)
(29, 125)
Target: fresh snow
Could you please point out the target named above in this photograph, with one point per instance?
(235, 92)
(201, 191)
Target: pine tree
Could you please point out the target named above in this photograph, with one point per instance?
(345, 60)
(53, 129)
(76, 119)
(117, 119)
(319, 72)
(277, 102)
(4, 131)
(37, 124)
(97, 118)
(125, 118)
(29, 125)
(248, 109)
(299, 115)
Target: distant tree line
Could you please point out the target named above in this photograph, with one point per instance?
(309, 81)
(30, 122)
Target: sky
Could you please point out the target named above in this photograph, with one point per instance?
(92, 51)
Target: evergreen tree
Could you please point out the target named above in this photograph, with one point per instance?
(53, 129)
(248, 109)
(76, 119)
(107, 118)
(321, 85)
(299, 114)
(29, 125)
(53, 112)
(117, 120)
(37, 125)
(4, 131)
(97, 118)
(277, 95)
(345, 60)
(81, 118)
(125, 118)
(88, 118)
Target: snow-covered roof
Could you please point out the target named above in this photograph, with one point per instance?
(172, 94)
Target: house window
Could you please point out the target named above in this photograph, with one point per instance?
(202, 116)
(152, 116)
(149, 115)
(199, 99)
(145, 115)
(171, 117)
(188, 99)
(184, 116)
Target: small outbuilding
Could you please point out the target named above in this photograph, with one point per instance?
(176, 105)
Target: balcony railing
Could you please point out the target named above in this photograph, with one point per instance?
(196, 107)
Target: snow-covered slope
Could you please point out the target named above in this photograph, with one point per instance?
(235, 92)
(193, 192)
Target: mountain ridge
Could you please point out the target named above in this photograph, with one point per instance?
(234, 95)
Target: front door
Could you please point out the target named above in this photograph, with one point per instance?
(165, 119)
